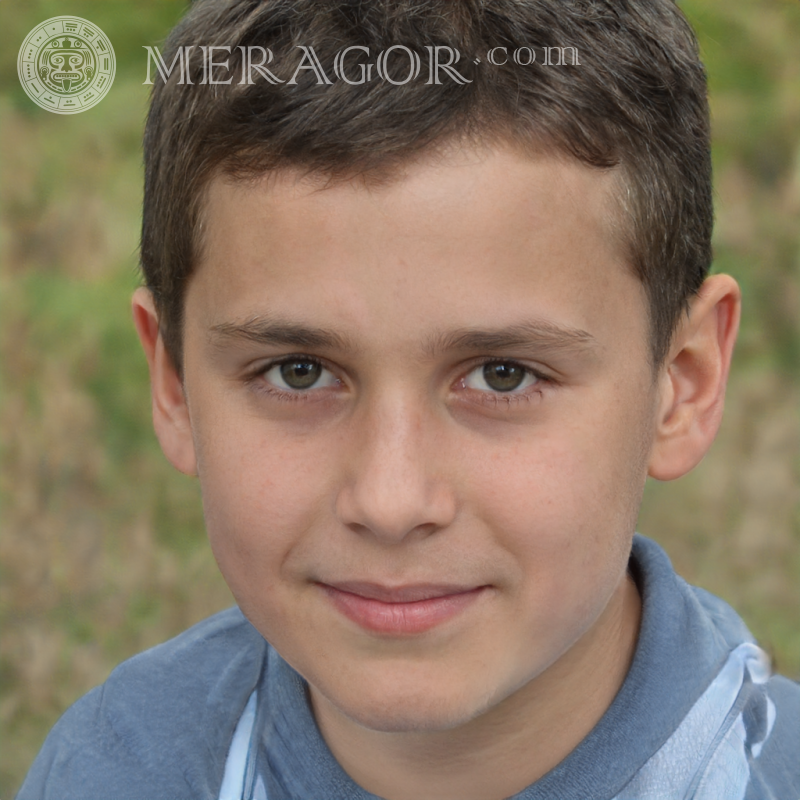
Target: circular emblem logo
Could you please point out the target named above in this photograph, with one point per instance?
(66, 65)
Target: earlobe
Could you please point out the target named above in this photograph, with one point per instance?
(171, 418)
(693, 378)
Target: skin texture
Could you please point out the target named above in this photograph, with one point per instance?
(403, 466)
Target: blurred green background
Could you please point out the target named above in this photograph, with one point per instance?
(103, 551)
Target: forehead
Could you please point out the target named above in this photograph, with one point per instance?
(453, 239)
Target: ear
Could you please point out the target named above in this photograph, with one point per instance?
(170, 412)
(693, 377)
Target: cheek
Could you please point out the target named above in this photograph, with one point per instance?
(261, 496)
(564, 503)
(558, 488)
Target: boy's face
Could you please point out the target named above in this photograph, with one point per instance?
(434, 389)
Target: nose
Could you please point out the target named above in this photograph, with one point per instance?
(395, 486)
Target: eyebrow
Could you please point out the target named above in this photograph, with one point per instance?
(538, 335)
(275, 331)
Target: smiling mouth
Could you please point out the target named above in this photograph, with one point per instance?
(401, 610)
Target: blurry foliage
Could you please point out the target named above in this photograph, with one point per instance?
(103, 550)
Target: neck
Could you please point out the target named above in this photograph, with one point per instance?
(512, 745)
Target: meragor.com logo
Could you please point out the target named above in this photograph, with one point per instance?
(66, 65)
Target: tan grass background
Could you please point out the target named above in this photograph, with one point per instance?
(103, 552)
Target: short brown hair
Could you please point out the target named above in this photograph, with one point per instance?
(635, 101)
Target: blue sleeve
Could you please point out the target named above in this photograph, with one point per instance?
(775, 767)
(159, 728)
(83, 758)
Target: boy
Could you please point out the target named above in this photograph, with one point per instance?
(422, 331)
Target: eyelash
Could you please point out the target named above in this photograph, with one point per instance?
(256, 380)
(494, 399)
(508, 399)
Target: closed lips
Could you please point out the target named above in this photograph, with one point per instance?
(405, 610)
(402, 594)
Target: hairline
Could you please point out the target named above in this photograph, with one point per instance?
(618, 220)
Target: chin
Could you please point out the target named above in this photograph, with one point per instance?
(425, 716)
(390, 707)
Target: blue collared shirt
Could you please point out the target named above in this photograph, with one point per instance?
(216, 713)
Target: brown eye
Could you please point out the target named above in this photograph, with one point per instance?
(300, 374)
(503, 377)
